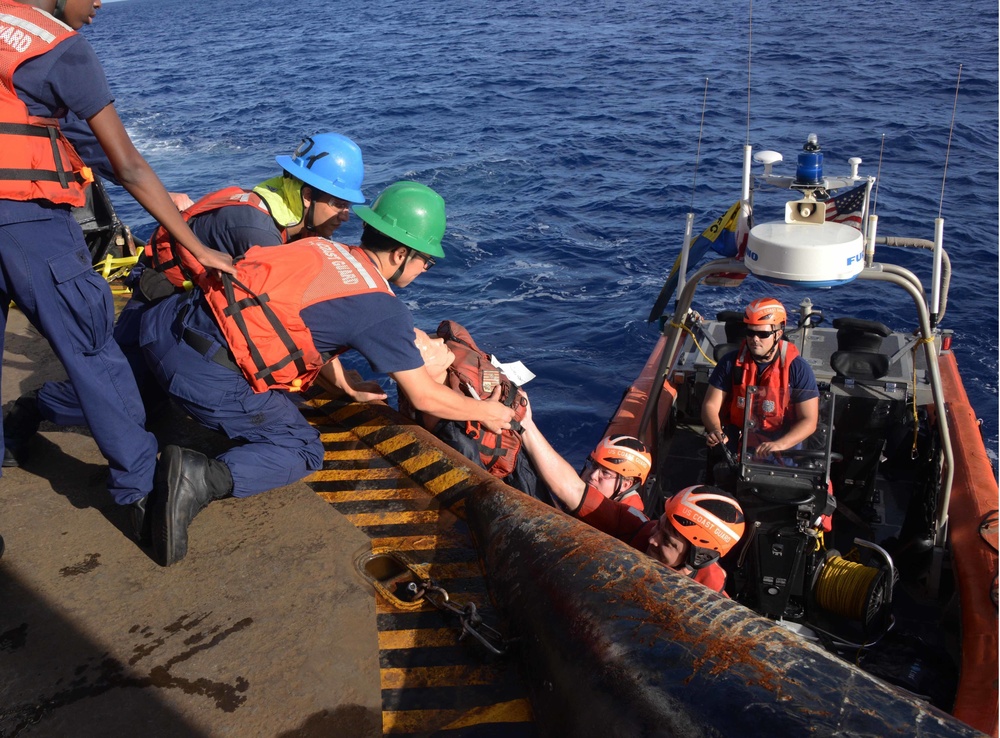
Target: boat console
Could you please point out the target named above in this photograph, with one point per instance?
(787, 567)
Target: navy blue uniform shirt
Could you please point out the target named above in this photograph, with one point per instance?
(71, 92)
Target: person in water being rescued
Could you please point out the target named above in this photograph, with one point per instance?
(49, 71)
(789, 403)
(321, 179)
(232, 354)
(452, 358)
(699, 524)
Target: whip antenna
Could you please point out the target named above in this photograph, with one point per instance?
(951, 130)
(749, 57)
(701, 130)
(878, 173)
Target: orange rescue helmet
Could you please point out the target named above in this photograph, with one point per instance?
(625, 455)
(765, 311)
(709, 518)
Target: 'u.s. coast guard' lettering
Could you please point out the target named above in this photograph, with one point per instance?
(336, 257)
(15, 38)
(18, 33)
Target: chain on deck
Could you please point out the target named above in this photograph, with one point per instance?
(399, 489)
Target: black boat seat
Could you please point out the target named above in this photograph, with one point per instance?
(736, 329)
(735, 332)
(722, 349)
(859, 344)
(859, 364)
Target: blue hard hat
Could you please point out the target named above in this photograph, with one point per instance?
(329, 162)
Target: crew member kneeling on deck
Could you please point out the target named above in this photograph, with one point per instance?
(312, 198)
(699, 525)
(453, 359)
(231, 356)
(789, 407)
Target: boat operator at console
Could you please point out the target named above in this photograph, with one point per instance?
(49, 71)
(233, 354)
(699, 524)
(789, 405)
(311, 198)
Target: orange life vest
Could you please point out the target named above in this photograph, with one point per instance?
(472, 373)
(173, 260)
(259, 311)
(773, 380)
(39, 163)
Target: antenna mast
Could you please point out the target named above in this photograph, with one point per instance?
(939, 221)
(749, 67)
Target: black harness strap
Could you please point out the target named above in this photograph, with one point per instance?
(203, 346)
(60, 174)
(40, 175)
(234, 310)
(25, 129)
(496, 452)
(57, 158)
(162, 266)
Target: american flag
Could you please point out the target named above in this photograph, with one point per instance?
(846, 208)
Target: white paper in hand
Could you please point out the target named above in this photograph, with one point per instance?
(516, 372)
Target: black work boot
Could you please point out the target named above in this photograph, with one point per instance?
(19, 427)
(140, 512)
(186, 481)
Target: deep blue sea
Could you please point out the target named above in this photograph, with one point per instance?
(564, 137)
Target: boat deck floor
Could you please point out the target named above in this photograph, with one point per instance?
(267, 627)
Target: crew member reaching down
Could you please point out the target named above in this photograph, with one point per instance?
(231, 355)
(312, 198)
(699, 525)
(452, 359)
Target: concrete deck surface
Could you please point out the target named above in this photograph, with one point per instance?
(265, 629)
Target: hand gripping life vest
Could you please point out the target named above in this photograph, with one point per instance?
(173, 260)
(472, 373)
(259, 311)
(773, 379)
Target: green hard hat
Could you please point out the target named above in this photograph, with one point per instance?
(410, 213)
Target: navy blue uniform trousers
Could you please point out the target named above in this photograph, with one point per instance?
(58, 401)
(45, 269)
(280, 446)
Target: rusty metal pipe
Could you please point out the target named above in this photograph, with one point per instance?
(615, 644)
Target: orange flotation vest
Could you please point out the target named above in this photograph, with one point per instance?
(773, 380)
(473, 373)
(259, 311)
(173, 260)
(39, 163)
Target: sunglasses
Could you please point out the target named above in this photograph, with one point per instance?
(601, 472)
(429, 261)
(760, 335)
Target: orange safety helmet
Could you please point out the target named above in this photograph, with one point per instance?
(709, 518)
(625, 455)
(765, 311)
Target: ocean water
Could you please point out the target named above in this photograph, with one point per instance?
(569, 142)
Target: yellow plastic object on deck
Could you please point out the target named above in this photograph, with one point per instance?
(113, 268)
